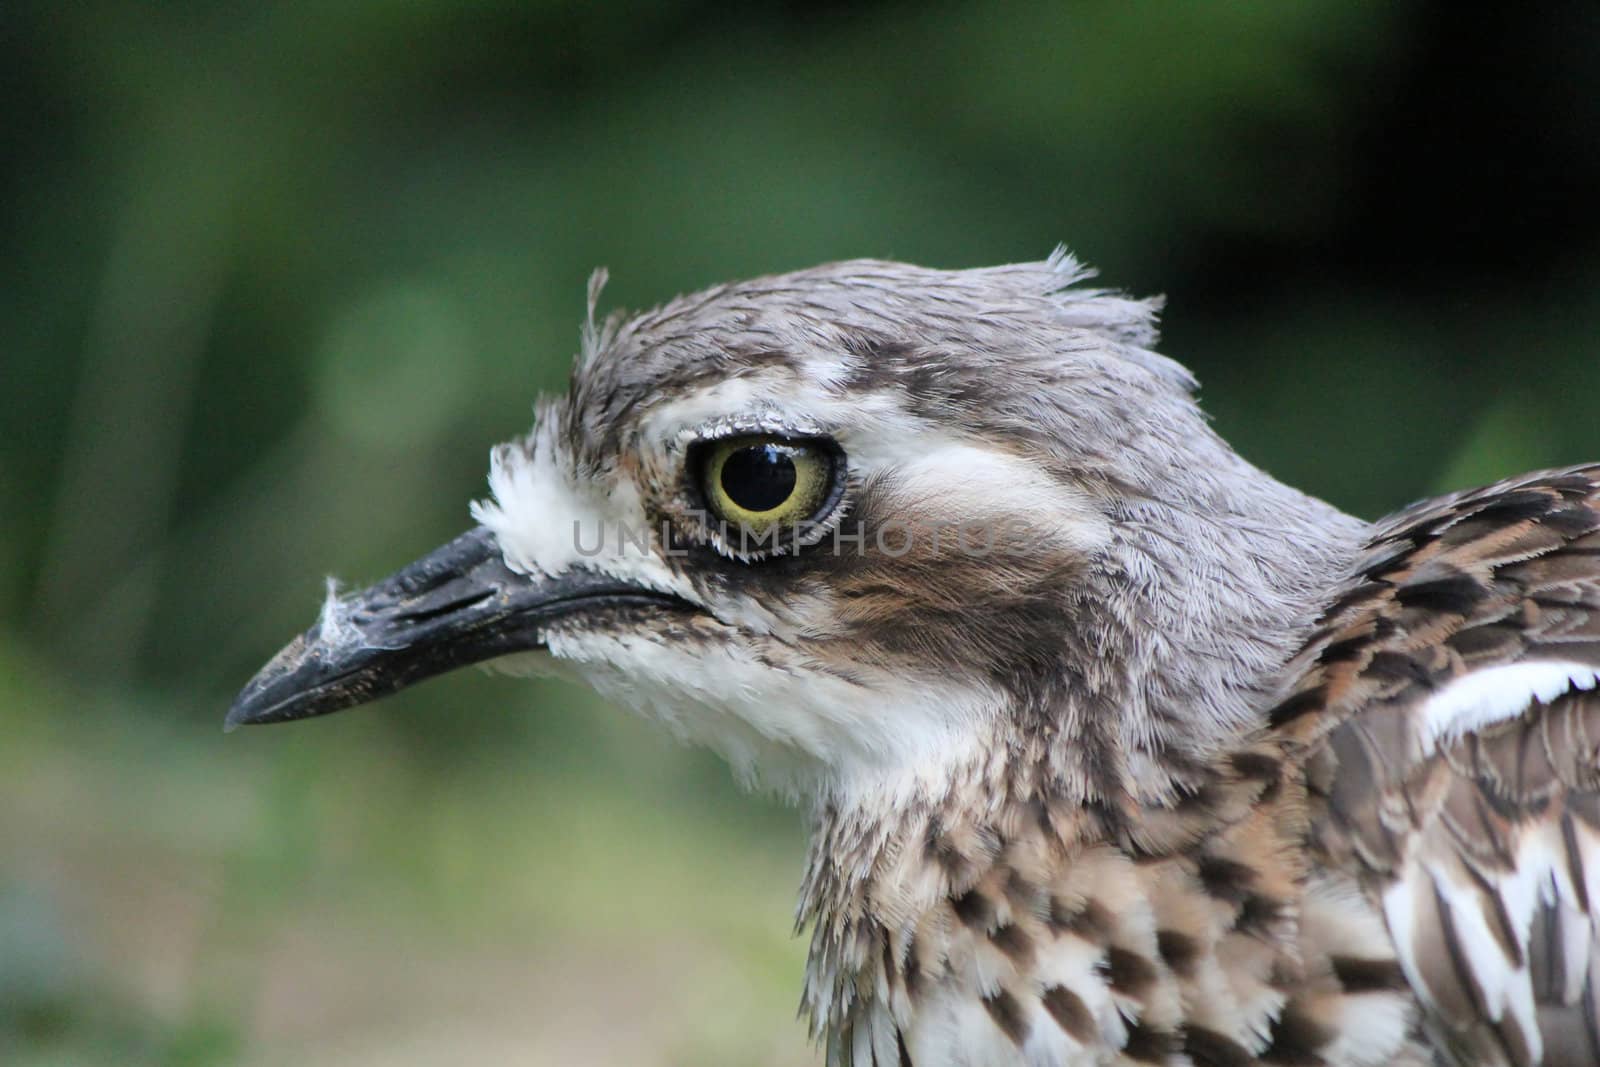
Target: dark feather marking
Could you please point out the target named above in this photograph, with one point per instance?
(1457, 953)
(1348, 649)
(1295, 1039)
(1259, 914)
(1014, 941)
(1020, 891)
(1071, 1014)
(1302, 703)
(1146, 1044)
(1357, 975)
(912, 972)
(1093, 922)
(1129, 972)
(1569, 839)
(973, 909)
(877, 348)
(1493, 907)
(1455, 594)
(1178, 950)
(1517, 505)
(1359, 595)
(1572, 521)
(1575, 484)
(1393, 561)
(1395, 666)
(1256, 765)
(944, 852)
(1226, 879)
(1207, 1048)
(1477, 640)
(1004, 1009)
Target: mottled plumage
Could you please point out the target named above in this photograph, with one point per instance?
(1478, 829)
(1171, 765)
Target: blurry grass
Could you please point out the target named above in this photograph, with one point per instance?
(315, 895)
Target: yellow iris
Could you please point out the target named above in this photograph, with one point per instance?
(762, 481)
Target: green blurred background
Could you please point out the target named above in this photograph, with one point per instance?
(277, 275)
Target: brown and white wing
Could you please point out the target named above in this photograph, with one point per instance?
(1449, 716)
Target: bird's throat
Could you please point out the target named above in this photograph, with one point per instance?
(1005, 893)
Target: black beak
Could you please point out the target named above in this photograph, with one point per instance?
(459, 604)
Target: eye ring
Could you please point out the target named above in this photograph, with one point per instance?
(767, 491)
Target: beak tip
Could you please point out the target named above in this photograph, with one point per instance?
(459, 604)
(248, 708)
(238, 715)
(263, 698)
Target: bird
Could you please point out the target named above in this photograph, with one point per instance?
(1114, 749)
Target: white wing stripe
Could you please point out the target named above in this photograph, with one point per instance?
(1495, 694)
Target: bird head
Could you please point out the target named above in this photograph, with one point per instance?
(854, 525)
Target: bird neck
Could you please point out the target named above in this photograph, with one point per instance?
(1145, 742)
(1154, 664)
(1186, 622)
(1003, 887)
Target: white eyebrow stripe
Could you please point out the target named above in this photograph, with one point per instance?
(1495, 694)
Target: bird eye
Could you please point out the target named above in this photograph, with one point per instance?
(759, 482)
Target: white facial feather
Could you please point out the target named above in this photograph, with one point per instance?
(788, 726)
(547, 522)
(788, 729)
(536, 505)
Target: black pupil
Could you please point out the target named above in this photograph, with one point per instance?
(758, 477)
